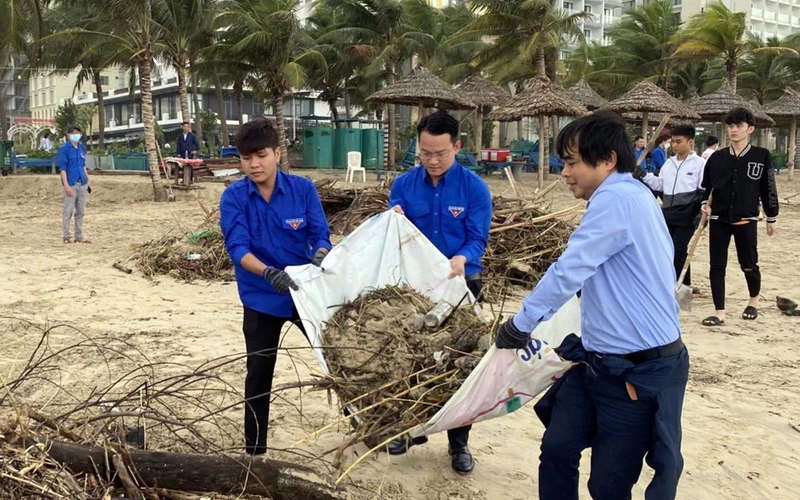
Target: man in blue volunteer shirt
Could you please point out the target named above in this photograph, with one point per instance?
(270, 220)
(624, 397)
(71, 161)
(452, 207)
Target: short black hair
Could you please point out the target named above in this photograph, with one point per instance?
(185, 123)
(687, 131)
(256, 135)
(712, 140)
(439, 123)
(597, 136)
(73, 128)
(738, 116)
(637, 138)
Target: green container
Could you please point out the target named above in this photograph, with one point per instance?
(372, 148)
(344, 141)
(779, 161)
(131, 161)
(5, 156)
(318, 147)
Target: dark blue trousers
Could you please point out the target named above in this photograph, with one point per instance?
(590, 407)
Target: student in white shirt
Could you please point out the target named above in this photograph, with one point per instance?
(712, 144)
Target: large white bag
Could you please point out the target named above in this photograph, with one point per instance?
(389, 250)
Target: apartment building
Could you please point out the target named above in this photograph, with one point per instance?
(14, 92)
(604, 13)
(767, 18)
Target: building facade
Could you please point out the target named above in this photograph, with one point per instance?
(766, 18)
(604, 13)
(14, 92)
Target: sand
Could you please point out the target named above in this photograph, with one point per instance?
(742, 410)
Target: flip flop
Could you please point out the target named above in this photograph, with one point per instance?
(83, 241)
(713, 321)
(750, 313)
(67, 241)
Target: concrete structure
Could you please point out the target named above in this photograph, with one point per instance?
(767, 18)
(14, 92)
(604, 14)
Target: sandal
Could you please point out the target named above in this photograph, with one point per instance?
(750, 313)
(83, 241)
(713, 321)
(67, 241)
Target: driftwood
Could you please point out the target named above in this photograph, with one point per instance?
(184, 472)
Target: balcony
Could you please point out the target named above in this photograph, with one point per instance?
(770, 16)
(795, 21)
(783, 18)
(757, 13)
(594, 20)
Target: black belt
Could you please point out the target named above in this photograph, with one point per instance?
(655, 352)
(473, 276)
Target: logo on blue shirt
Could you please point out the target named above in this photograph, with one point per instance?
(456, 211)
(295, 223)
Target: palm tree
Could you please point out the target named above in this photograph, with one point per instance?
(717, 32)
(21, 22)
(384, 28)
(132, 45)
(266, 35)
(764, 76)
(643, 45)
(523, 33)
(696, 78)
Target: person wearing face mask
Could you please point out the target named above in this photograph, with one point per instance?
(270, 220)
(71, 161)
(624, 396)
(452, 207)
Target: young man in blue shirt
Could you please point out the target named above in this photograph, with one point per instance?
(71, 161)
(270, 220)
(624, 397)
(452, 207)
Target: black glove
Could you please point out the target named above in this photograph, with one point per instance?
(279, 280)
(510, 337)
(639, 173)
(319, 256)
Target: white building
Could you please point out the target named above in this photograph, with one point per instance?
(603, 15)
(767, 18)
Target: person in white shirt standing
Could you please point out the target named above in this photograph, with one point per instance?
(46, 144)
(679, 183)
(712, 144)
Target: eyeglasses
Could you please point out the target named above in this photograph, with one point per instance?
(441, 155)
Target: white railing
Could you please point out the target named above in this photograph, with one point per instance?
(770, 16)
(758, 13)
(784, 18)
(795, 21)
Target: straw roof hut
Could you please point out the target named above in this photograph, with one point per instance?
(787, 108)
(646, 98)
(717, 104)
(584, 94)
(483, 93)
(539, 98)
(422, 88)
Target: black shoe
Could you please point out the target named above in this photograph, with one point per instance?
(400, 446)
(461, 460)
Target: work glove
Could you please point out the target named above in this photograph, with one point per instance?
(639, 173)
(318, 257)
(510, 337)
(279, 280)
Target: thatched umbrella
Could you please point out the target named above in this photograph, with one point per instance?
(420, 88)
(717, 104)
(647, 98)
(539, 98)
(483, 93)
(787, 107)
(582, 93)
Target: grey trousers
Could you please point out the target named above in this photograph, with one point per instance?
(74, 205)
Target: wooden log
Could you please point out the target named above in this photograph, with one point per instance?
(276, 479)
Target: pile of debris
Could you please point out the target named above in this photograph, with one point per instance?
(410, 354)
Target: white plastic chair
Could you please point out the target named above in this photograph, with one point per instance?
(354, 165)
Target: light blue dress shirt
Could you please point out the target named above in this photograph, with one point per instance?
(620, 256)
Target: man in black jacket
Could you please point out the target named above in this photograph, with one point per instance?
(735, 179)
(188, 145)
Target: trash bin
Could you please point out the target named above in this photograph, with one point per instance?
(345, 139)
(372, 148)
(317, 143)
(5, 156)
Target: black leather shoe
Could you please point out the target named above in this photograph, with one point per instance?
(400, 446)
(461, 460)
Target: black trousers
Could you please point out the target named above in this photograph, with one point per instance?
(459, 437)
(681, 236)
(262, 334)
(745, 237)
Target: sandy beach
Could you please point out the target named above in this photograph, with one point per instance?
(742, 411)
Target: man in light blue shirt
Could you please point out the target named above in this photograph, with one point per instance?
(624, 398)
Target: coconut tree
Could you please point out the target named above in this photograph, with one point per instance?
(266, 35)
(21, 22)
(763, 75)
(643, 43)
(385, 28)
